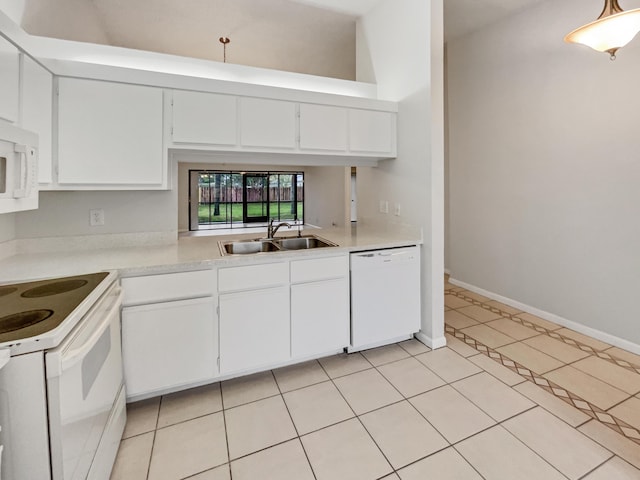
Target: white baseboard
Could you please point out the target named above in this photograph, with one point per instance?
(578, 327)
(432, 343)
(447, 271)
(358, 348)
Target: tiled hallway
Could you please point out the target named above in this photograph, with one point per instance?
(512, 397)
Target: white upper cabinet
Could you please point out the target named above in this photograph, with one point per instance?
(323, 128)
(267, 123)
(372, 131)
(315, 131)
(9, 81)
(37, 112)
(110, 135)
(204, 118)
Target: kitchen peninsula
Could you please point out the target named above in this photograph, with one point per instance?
(191, 316)
(83, 254)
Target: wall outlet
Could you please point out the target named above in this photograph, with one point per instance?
(96, 217)
(396, 209)
(384, 206)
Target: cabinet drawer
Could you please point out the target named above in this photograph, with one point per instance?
(170, 286)
(253, 277)
(303, 271)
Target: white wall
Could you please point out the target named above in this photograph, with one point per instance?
(545, 172)
(325, 192)
(275, 34)
(69, 19)
(400, 47)
(67, 214)
(14, 9)
(7, 227)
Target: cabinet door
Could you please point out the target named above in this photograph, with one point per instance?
(319, 317)
(204, 118)
(167, 345)
(9, 81)
(37, 112)
(267, 123)
(323, 128)
(371, 131)
(254, 329)
(110, 134)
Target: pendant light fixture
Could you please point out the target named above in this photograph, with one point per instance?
(613, 29)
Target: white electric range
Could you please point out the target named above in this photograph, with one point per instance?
(62, 398)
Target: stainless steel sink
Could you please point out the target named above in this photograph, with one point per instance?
(247, 247)
(265, 245)
(303, 243)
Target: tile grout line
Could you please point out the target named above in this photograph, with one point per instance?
(356, 416)
(153, 443)
(586, 475)
(589, 409)
(295, 427)
(552, 333)
(226, 433)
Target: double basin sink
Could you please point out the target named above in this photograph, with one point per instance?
(264, 245)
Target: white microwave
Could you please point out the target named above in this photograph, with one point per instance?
(18, 169)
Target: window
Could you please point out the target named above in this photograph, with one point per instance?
(227, 199)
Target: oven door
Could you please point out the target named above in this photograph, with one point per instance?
(4, 359)
(84, 377)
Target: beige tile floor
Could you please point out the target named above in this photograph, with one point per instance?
(511, 397)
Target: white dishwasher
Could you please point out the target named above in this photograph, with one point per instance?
(385, 296)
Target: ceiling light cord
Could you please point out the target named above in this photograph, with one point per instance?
(224, 41)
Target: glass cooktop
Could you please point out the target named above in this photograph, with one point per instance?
(33, 308)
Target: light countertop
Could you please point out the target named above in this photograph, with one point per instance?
(191, 253)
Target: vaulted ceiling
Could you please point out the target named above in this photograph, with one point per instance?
(307, 36)
(460, 16)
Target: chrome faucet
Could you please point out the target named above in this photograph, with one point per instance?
(271, 230)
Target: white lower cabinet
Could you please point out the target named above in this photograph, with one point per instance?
(254, 329)
(268, 314)
(319, 305)
(319, 317)
(168, 345)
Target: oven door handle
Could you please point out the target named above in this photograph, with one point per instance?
(72, 357)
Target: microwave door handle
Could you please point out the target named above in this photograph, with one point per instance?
(25, 159)
(69, 359)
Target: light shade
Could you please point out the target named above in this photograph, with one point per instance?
(611, 31)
